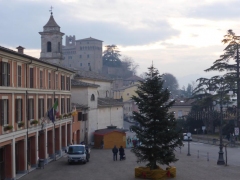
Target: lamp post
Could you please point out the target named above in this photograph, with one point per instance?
(188, 135)
(220, 153)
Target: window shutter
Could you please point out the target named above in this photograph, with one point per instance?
(1, 112)
(1, 76)
(28, 109)
(33, 108)
(79, 116)
(43, 108)
(16, 110)
(7, 112)
(8, 74)
(39, 108)
(31, 77)
(21, 110)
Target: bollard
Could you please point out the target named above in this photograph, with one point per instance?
(207, 156)
(198, 154)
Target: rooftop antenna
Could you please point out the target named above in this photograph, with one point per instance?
(51, 9)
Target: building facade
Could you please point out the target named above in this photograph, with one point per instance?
(83, 54)
(28, 89)
(94, 91)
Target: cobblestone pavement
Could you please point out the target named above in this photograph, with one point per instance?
(102, 167)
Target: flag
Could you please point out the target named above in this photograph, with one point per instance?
(51, 115)
(55, 107)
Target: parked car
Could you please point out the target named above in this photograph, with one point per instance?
(185, 137)
(78, 153)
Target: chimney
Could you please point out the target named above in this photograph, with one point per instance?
(20, 49)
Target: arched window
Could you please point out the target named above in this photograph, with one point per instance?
(92, 97)
(49, 46)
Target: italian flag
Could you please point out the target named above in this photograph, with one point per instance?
(55, 107)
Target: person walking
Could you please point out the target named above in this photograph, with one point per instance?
(121, 153)
(115, 151)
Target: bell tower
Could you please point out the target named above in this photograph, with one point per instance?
(51, 42)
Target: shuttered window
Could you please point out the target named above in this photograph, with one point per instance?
(40, 108)
(49, 80)
(79, 116)
(68, 83)
(19, 77)
(4, 111)
(18, 110)
(56, 81)
(49, 103)
(68, 105)
(30, 109)
(62, 105)
(31, 78)
(62, 82)
(41, 79)
(4, 74)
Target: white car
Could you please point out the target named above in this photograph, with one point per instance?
(185, 137)
(78, 153)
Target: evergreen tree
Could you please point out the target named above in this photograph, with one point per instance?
(157, 130)
(111, 56)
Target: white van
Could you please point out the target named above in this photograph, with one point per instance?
(77, 153)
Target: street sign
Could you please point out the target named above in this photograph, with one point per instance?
(236, 130)
(203, 128)
(189, 134)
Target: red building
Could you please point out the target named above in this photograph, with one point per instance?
(28, 89)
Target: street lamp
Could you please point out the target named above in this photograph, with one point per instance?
(220, 153)
(188, 135)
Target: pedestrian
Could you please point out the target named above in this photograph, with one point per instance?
(102, 144)
(121, 153)
(115, 151)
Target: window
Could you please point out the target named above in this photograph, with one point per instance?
(49, 80)
(56, 81)
(92, 97)
(80, 64)
(41, 79)
(49, 103)
(62, 82)
(4, 111)
(80, 56)
(59, 45)
(31, 78)
(62, 106)
(19, 68)
(68, 105)
(68, 83)
(18, 110)
(88, 56)
(30, 109)
(49, 46)
(88, 64)
(4, 74)
(79, 116)
(40, 108)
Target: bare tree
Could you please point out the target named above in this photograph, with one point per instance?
(130, 64)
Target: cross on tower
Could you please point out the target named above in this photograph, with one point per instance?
(51, 9)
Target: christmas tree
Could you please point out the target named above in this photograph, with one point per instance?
(156, 132)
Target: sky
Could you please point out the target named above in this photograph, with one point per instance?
(181, 37)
